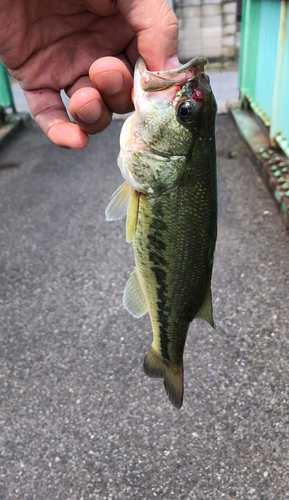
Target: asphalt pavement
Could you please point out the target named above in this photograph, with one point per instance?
(79, 419)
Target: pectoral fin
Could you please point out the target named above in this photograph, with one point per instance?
(118, 204)
(133, 297)
(132, 214)
(206, 310)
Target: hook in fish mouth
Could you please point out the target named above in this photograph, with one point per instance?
(154, 81)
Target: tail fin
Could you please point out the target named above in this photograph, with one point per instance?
(155, 366)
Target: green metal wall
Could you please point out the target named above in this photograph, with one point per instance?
(6, 97)
(264, 64)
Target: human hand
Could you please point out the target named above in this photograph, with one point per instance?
(88, 48)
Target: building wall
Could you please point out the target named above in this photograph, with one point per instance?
(207, 27)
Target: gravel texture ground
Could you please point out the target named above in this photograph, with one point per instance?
(79, 419)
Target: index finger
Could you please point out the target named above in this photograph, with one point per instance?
(50, 114)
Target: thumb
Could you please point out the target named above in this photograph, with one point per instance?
(156, 29)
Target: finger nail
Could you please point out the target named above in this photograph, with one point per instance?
(109, 82)
(89, 113)
(172, 63)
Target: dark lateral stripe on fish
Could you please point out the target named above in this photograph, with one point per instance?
(157, 249)
(157, 243)
(157, 259)
(161, 275)
(158, 224)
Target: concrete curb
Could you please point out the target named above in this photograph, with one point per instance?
(13, 124)
(273, 164)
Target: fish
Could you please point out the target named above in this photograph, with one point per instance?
(168, 160)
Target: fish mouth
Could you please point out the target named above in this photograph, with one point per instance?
(154, 81)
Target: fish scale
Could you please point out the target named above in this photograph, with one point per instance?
(185, 236)
(168, 160)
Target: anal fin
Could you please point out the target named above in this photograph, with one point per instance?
(155, 366)
(133, 296)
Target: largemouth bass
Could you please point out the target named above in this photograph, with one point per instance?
(168, 160)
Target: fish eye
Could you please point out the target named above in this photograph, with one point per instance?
(185, 112)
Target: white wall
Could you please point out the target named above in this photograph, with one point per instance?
(206, 27)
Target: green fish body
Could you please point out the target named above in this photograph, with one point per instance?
(168, 159)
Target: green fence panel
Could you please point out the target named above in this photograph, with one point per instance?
(6, 96)
(264, 64)
(280, 113)
(265, 71)
(249, 47)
